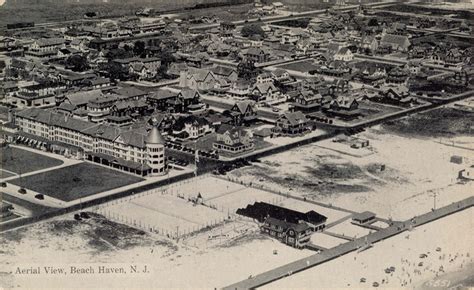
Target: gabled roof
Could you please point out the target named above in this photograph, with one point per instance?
(265, 87)
(188, 93)
(162, 95)
(129, 92)
(222, 70)
(50, 41)
(83, 97)
(295, 118)
(263, 210)
(400, 40)
(279, 72)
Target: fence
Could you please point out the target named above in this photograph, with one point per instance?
(154, 227)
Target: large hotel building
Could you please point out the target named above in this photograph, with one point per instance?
(139, 150)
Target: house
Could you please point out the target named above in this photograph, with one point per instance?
(242, 112)
(339, 86)
(397, 75)
(257, 55)
(191, 128)
(399, 96)
(99, 83)
(67, 52)
(395, 42)
(239, 89)
(454, 56)
(280, 75)
(344, 54)
(264, 78)
(367, 44)
(45, 47)
(291, 227)
(224, 72)
(197, 79)
(307, 101)
(189, 100)
(234, 140)
(344, 103)
(265, 91)
(36, 95)
(7, 43)
(130, 93)
(161, 99)
(292, 36)
(335, 68)
(292, 123)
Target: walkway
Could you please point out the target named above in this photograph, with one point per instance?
(330, 254)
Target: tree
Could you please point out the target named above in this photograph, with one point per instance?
(252, 29)
(139, 48)
(373, 22)
(77, 62)
(116, 71)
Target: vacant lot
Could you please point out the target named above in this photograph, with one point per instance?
(76, 181)
(442, 122)
(23, 161)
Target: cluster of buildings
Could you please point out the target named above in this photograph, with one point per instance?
(101, 89)
(291, 227)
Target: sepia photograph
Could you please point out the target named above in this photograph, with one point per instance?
(236, 144)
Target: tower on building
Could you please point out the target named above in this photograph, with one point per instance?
(155, 147)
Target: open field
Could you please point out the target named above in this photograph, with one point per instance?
(75, 181)
(228, 196)
(442, 122)
(98, 241)
(44, 13)
(374, 110)
(402, 252)
(165, 214)
(23, 161)
(415, 170)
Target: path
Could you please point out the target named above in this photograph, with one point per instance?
(340, 250)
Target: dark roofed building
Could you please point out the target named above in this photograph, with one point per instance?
(289, 226)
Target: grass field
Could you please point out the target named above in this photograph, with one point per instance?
(23, 161)
(76, 181)
(4, 174)
(442, 122)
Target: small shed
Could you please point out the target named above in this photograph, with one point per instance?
(363, 217)
(456, 159)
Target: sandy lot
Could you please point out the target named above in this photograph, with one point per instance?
(64, 242)
(415, 170)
